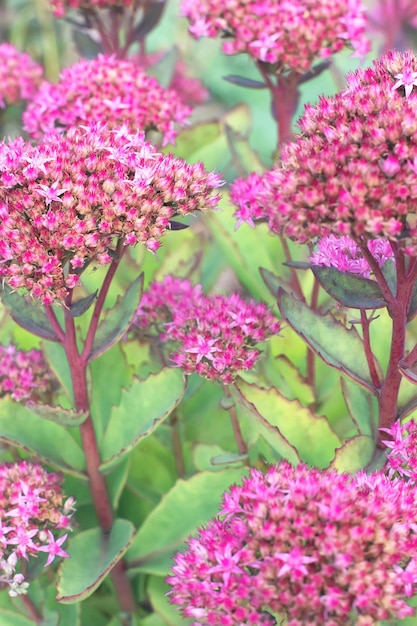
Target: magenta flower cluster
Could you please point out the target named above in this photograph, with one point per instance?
(288, 34)
(20, 76)
(353, 170)
(318, 546)
(108, 90)
(344, 254)
(215, 336)
(33, 514)
(60, 7)
(65, 201)
(402, 450)
(24, 375)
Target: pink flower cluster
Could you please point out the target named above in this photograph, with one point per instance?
(321, 547)
(60, 7)
(290, 34)
(20, 76)
(33, 511)
(65, 201)
(109, 90)
(24, 375)
(353, 171)
(345, 255)
(402, 450)
(215, 336)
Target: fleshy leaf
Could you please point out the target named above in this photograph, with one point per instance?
(81, 306)
(359, 403)
(142, 408)
(80, 576)
(331, 341)
(354, 455)
(21, 428)
(167, 526)
(117, 319)
(58, 362)
(282, 421)
(64, 417)
(28, 313)
(242, 81)
(298, 265)
(10, 618)
(355, 292)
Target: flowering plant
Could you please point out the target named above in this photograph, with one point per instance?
(188, 318)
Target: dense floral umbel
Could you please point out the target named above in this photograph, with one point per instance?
(290, 34)
(346, 256)
(322, 547)
(353, 170)
(33, 514)
(70, 197)
(61, 6)
(24, 375)
(105, 89)
(20, 76)
(215, 336)
(402, 453)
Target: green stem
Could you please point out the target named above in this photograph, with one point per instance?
(241, 445)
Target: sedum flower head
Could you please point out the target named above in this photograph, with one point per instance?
(353, 170)
(215, 336)
(290, 34)
(402, 450)
(60, 7)
(33, 515)
(344, 254)
(20, 76)
(109, 90)
(24, 375)
(322, 547)
(65, 201)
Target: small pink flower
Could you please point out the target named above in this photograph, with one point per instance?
(406, 79)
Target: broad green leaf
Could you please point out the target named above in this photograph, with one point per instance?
(58, 362)
(354, 455)
(116, 481)
(331, 341)
(142, 408)
(360, 404)
(23, 429)
(188, 505)
(289, 426)
(28, 313)
(64, 417)
(110, 374)
(355, 292)
(80, 576)
(117, 320)
(242, 81)
(11, 618)
(157, 590)
(283, 375)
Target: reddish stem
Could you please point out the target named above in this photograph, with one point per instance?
(365, 322)
(241, 445)
(31, 609)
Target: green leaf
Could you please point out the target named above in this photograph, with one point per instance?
(288, 426)
(10, 618)
(354, 455)
(64, 417)
(242, 81)
(21, 428)
(67, 614)
(117, 319)
(80, 576)
(142, 408)
(28, 313)
(360, 404)
(212, 457)
(157, 591)
(355, 292)
(167, 527)
(331, 341)
(81, 306)
(58, 362)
